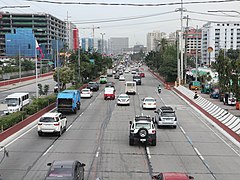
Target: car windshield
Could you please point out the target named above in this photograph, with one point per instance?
(143, 125)
(85, 90)
(47, 119)
(168, 114)
(12, 101)
(60, 172)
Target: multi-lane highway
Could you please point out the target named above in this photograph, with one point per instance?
(98, 136)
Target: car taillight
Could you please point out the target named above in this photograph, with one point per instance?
(154, 103)
(56, 124)
(39, 124)
(153, 131)
(144, 103)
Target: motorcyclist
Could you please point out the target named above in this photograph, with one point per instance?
(195, 95)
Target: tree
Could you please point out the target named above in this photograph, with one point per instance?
(65, 75)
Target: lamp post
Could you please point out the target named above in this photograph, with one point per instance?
(102, 42)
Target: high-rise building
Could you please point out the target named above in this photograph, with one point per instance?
(47, 29)
(117, 44)
(153, 40)
(192, 42)
(70, 29)
(219, 35)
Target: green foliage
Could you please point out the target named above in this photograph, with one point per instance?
(164, 61)
(40, 91)
(11, 119)
(65, 75)
(46, 88)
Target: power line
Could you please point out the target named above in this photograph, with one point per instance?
(123, 18)
(212, 14)
(131, 4)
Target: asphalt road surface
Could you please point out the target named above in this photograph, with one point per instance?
(98, 137)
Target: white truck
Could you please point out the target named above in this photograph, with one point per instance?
(109, 72)
(130, 87)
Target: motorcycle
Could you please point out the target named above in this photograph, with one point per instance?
(159, 89)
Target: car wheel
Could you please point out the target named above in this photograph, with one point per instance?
(158, 126)
(75, 111)
(60, 132)
(142, 133)
(40, 133)
(65, 128)
(131, 142)
(154, 142)
(78, 106)
(175, 127)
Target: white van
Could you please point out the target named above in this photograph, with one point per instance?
(130, 87)
(16, 102)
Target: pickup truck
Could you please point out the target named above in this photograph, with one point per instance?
(69, 101)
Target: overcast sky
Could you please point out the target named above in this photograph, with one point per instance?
(162, 18)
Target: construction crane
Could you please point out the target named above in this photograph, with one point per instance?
(93, 29)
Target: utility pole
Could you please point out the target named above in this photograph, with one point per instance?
(185, 52)
(196, 54)
(79, 72)
(178, 62)
(181, 38)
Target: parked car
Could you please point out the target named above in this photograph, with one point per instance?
(121, 78)
(86, 93)
(52, 123)
(214, 93)
(123, 99)
(229, 99)
(172, 176)
(149, 103)
(67, 170)
(142, 129)
(94, 86)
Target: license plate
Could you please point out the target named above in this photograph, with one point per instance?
(142, 140)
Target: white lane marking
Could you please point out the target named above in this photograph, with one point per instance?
(69, 127)
(47, 150)
(97, 154)
(198, 153)
(81, 114)
(20, 136)
(148, 152)
(189, 140)
(217, 134)
(90, 104)
(142, 114)
(182, 130)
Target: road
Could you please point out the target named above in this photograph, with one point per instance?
(98, 136)
(27, 86)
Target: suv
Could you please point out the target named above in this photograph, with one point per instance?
(137, 79)
(93, 86)
(52, 123)
(142, 129)
(165, 116)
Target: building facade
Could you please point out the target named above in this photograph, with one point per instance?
(117, 44)
(49, 31)
(153, 40)
(192, 42)
(217, 36)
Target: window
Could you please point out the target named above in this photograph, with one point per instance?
(29, 46)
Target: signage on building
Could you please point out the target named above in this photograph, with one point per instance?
(210, 49)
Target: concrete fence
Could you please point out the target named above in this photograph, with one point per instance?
(221, 115)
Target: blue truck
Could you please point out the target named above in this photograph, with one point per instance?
(69, 101)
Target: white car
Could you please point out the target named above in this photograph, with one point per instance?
(123, 99)
(86, 93)
(149, 103)
(52, 123)
(126, 71)
(121, 78)
(134, 71)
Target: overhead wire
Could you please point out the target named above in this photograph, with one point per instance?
(132, 4)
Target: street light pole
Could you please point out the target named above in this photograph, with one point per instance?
(102, 42)
(20, 65)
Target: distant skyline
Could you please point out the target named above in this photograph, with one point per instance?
(133, 22)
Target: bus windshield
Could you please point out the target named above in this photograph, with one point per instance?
(12, 101)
